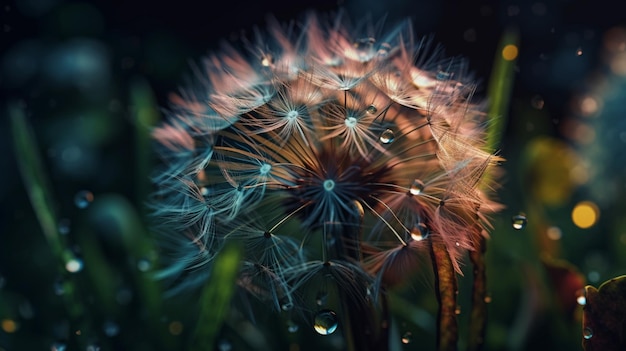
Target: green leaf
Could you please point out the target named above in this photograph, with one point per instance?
(604, 316)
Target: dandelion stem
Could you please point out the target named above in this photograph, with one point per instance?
(446, 291)
(478, 315)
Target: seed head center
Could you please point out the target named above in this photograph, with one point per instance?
(329, 184)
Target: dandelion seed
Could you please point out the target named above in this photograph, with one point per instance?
(333, 156)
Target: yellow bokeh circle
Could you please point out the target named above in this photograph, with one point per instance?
(585, 214)
(509, 52)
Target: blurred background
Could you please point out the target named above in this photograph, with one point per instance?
(90, 77)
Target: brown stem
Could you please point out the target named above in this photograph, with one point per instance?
(478, 321)
(446, 290)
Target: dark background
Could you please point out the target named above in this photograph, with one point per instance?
(71, 66)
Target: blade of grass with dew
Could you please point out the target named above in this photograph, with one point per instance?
(216, 297)
(499, 95)
(38, 190)
(119, 212)
(145, 117)
(446, 290)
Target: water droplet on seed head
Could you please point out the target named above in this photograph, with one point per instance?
(325, 322)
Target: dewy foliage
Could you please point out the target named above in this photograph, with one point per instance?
(333, 155)
(604, 316)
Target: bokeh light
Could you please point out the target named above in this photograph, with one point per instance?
(510, 52)
(585, 214)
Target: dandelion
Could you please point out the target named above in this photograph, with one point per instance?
(332, 154)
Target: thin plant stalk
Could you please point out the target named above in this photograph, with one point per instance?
(446, 290)
(478, 314)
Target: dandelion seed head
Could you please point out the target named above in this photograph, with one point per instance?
(326, 150)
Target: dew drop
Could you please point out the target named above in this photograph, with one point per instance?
(457, 311)
(407, 338)
(267, 60)
(580, 297)
(365, 48)
(417, 187)
(384, 50)
(74, 265)
(321, 298)
(579, 52)
(93, 347)
(419, 232)
(371, 109)
(292, 327)
(287, 306)
(325, 322)
(519, 221)
(443, 75)
(204, 191)
(64, 226)
(58, 346)
(487, 299)
(83, 198)
(387, 137)
(587, 333)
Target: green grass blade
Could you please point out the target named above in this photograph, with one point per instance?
(216, 297)
(38, 189)
(146, 115)
(499, 95)
(500, 88)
